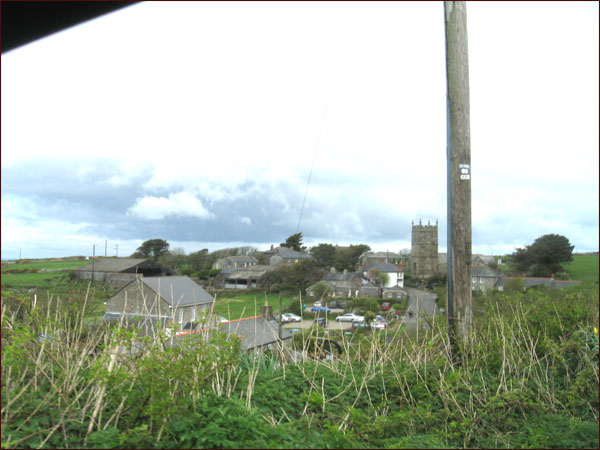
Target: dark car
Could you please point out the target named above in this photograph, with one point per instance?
(321, 321)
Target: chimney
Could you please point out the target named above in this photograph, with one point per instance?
(267, 311)
(332, 270)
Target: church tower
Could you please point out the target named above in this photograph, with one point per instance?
(424, 250)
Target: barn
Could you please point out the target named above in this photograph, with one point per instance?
(119, 269)
(179, 299)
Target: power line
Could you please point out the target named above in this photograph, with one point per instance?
(314, 157)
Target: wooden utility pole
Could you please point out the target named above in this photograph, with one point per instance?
(459, 174)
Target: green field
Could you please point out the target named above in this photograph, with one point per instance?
(248, 305)
(48, 265)
(33, 280)
(583, 268)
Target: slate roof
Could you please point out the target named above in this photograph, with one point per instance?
(383, 267)
(383, 255)
(112, 264)
(250, 259)
(483, 271)
(255, 331)
(288, 253)
(178, 291)
(340, 276)
(244, 273)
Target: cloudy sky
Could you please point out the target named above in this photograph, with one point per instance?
(199, 123)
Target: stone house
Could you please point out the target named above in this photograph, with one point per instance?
(483, 278)
(344, 284)
(241, 278)
(177, 299)
(381, 258)
(282, 255)
(236, 262)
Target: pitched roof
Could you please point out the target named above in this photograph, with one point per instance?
(178, 291)
(242, 258)
(244, 273)
(289, 253)
(383, 267)
(483, 271)
(112, 264)
(255, 331)
(340, 276)
(382, 255)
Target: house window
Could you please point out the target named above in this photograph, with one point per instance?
(481, 279)
(474, 279)
(181, 316)
(193, 314)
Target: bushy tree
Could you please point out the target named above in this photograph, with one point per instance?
(153, 248)
(545, 256)
(347, 257)
(324, 255)
(381, 278)
(322, 290)
(294, 242)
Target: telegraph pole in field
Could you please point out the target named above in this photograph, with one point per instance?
(93, 260)
(459, 174)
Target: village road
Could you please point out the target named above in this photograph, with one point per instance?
(420, 304)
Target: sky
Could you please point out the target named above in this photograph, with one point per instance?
(201, 123)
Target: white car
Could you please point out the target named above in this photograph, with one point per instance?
(350, 317)
(289, 317)
(378, 325)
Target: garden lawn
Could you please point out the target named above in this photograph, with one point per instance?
(248, 305)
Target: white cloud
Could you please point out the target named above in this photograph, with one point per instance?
(182, 204)
(246, 220)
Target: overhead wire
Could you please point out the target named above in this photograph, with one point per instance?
(314, 157)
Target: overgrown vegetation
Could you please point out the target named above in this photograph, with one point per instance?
(528, 379)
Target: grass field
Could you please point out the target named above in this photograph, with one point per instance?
(48, 265)
(583, 268)
(248, 305)
(33, 280)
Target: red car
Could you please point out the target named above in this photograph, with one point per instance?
(386, 306)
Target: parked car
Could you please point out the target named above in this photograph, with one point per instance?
(357, 324)
(320, 308)
(378, 325)
(350, 317)
(337, 304)
(386, 306)
(321, 321)
(289, 317)
(380, 318)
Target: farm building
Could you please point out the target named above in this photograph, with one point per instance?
(119, 269)
(177, 298)
(241, 278)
